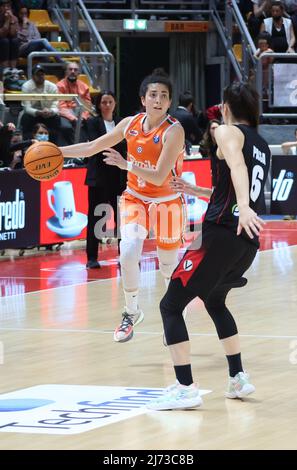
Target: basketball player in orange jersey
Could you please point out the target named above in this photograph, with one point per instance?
(155, 143)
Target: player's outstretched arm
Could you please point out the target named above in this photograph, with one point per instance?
(180, 185)
(87, 149)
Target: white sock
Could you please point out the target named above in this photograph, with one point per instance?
(131, 299)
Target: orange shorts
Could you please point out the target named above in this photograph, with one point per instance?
(164, 221)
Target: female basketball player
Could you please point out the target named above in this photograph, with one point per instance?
(155, 143)
(216, 263)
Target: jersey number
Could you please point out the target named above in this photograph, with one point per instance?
(257, 180)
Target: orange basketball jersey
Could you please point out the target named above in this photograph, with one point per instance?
(144, 150)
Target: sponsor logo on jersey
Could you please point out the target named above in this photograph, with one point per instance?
(139, 149)
(156, 139)
(235, 210)
(188, 265)
(282, 185)
(133, 132)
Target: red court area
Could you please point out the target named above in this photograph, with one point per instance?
(50, 269)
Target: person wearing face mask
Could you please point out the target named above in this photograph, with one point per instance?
(40, 132)
(69, 110)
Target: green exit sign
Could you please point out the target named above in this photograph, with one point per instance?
(135, 25)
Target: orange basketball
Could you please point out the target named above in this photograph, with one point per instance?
(43, 161)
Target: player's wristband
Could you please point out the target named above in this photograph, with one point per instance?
(129, 166)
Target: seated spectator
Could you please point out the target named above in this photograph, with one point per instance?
(45, 111)
(18, 146)
(30, 38)
(69, 110)
(6, 132)
(9, 43)
(40, 133)
(280, 29)
(184, 113)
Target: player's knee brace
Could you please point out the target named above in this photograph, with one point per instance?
(130, 253)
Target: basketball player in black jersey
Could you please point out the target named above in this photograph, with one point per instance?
(217, 260)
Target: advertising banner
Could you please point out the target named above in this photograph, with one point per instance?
(19, 210)
(284, 85)
(64, 207)
(284, 187)
(196, 172)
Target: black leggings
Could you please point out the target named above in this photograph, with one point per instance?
(222, 259)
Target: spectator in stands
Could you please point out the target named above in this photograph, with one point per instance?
(69, 110)
(9, 43)
(40, 133)
(30, 38)
(261, 10)
(18, 146)
(45, 111)
(291, 9)
(105, 183)
(6, 132)
(264, 46)
(184, 113)
(280, 29)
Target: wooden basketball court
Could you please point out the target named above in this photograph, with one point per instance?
(56, 327)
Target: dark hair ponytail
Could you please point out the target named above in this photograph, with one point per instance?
(243, 101)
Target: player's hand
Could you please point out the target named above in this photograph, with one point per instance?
(250, 222)
(114, 158)
(178, 185)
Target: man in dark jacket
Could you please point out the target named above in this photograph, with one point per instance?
(185, 114)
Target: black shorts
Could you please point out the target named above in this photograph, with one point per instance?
(216, 257)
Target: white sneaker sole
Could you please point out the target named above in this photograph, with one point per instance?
(186, 404)
(246, 390)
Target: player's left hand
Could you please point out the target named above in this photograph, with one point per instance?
(114, 158)
(250, 222)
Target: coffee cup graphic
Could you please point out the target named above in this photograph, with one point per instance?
(61, 201)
